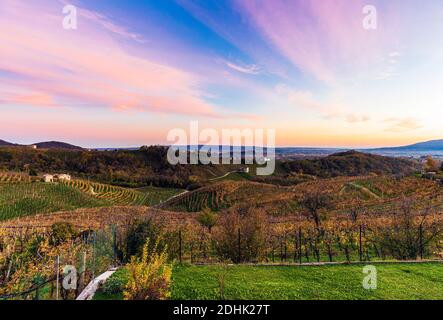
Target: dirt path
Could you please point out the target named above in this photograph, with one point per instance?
(170, 198)
(359, 188)
(223, 176)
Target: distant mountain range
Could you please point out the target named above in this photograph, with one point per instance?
(434, 147)
(422, 146)
(422, 149)
(43, 145)
(4, 143)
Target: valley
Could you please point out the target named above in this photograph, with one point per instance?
(219, 221)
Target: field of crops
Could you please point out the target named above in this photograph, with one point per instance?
(23, 199)
(15, 177)
(226, 194)
(375, 193)
(21, 195)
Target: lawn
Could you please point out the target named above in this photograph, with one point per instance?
(337, 282)
(395, 281)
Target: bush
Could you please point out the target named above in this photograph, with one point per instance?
(61, 232)
(137, 235)
(250, 227)
(149, 277)
(207, 219)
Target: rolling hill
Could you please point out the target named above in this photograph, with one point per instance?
(43, 145)
(350, 163)
(56, 145)
(4, 143)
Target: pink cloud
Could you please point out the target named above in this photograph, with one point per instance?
(30, 98)
(86, 67)
(325, 39)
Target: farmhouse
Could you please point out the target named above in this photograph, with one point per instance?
(48, 178)
(244, 170)
(63, 177)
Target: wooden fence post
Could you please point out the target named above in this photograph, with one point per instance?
(58, 277)
(239, 245)
(180, 245)
(299, 245)
(360, 249)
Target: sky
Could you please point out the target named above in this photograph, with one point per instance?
(134, 70)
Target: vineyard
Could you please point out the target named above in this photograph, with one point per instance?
(21, 195)
(375, 194)
(227, 194)
(16, 178)
(365, 219)
(22, 199)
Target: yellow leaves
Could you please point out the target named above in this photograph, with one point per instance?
(149, 276)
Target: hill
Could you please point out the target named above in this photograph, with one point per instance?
(422, 146)
(43, 145)
(4, 143)
(350, 163)
(130, 168)
(56, 145)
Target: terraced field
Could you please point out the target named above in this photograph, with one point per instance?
(26, 198)
(226, 194)
(21, 195)
(15, 178)
(112, 194)
(375, 193)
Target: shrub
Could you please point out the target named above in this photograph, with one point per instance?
(149, 277)
(137, 235)
(207, 219)
(61, 232)
(249, 228)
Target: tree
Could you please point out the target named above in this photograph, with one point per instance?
(32, 172)
(314, 203)
(137, 234)
(207, 219)
(431, 165)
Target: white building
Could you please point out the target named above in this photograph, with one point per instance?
(48, 178)
(63, 177)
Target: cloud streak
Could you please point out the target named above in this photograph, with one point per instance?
(86, 67)
(324, 39)
(398, 125)
(251, 69)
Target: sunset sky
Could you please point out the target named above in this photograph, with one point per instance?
(133, 70)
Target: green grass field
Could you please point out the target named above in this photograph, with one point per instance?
(336, 282)
(395, 281)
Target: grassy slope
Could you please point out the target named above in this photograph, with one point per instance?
(23, 199)
(157, 195)
(395, 281)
